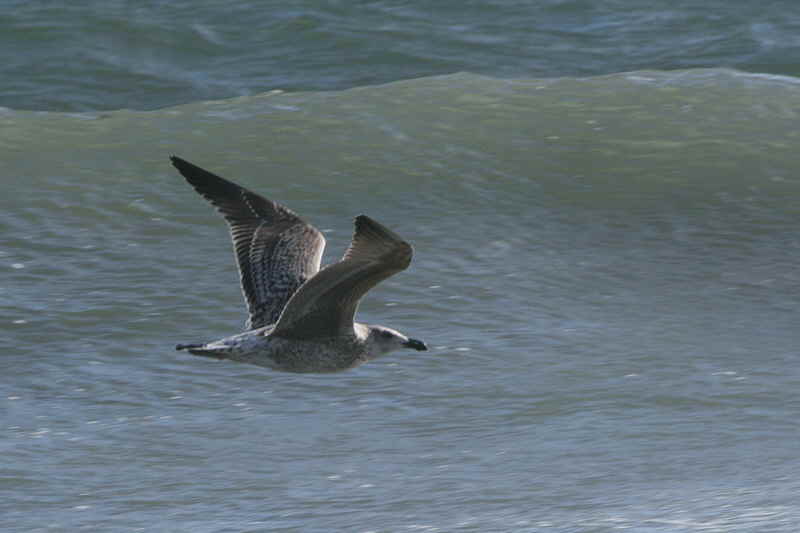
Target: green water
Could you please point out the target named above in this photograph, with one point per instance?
(605, 270)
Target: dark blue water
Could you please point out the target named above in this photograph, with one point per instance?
(112, 55)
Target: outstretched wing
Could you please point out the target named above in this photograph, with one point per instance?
(326, 305)
(276, 250)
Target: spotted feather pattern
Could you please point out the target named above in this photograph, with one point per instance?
(276, 250)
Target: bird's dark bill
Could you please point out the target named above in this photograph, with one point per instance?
(416, 344)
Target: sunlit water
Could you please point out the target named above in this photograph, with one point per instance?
(606, 272)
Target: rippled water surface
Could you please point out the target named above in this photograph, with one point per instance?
(606, 271)
(112, 54)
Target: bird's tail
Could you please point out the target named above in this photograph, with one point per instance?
(188, 346)
(202, 350)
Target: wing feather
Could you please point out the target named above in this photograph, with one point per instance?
(325, 306)
(276, 251)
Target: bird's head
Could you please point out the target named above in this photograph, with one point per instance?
(382, 340)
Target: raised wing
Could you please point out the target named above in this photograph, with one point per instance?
(326, 305)
(276, 250)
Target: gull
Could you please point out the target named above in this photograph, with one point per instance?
(301, 318)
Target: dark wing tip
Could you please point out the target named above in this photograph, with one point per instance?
(373, 240)
(214, 188)
(183, 166)
(368, 227)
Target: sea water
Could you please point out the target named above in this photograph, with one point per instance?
(605, 271)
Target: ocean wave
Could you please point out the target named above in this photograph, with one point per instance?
(621, 139)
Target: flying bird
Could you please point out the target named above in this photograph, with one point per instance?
(301, 318)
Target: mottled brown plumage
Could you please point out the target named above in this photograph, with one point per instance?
(301, 318)
(276, 250)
